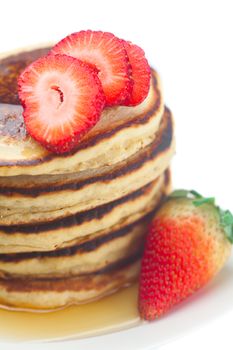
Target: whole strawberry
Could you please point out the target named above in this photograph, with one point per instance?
(188, 243)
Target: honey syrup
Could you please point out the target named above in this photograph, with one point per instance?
(112, 313)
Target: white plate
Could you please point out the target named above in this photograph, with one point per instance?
(205, 306)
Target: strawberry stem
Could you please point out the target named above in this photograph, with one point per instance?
(226, 217)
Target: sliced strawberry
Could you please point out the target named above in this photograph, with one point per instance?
(141, 74)
(62, 99)
(105, 52)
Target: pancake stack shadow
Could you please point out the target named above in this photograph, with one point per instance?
(72, 227)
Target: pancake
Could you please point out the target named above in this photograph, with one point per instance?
(90, 256)
(122, 131)
(88, 253)
(60, 233)
(37, 202)
(42, 294)
(72, 226)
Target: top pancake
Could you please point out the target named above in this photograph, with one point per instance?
(121, 131)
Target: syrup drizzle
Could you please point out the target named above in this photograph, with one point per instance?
(112, 313)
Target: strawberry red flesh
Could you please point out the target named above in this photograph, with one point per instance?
(187, 245)
(141, 74)
(62, 99)
(107, 54)
(175, 263)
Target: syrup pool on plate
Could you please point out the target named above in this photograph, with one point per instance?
(112, 313)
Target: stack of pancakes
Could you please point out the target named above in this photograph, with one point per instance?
(72, 226)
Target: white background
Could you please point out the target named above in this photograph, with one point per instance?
(191, 44)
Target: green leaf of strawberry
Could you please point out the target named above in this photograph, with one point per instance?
(188, 243)
(226, 217)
